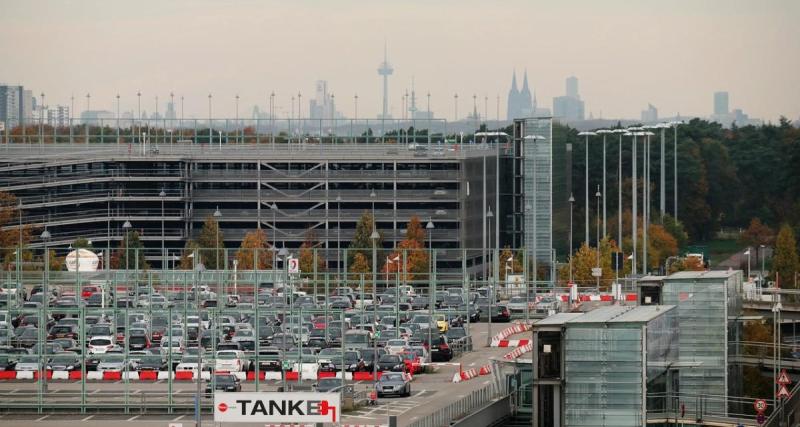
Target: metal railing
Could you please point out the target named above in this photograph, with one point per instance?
(458, 409)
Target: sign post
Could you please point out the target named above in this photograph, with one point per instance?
(294, 265)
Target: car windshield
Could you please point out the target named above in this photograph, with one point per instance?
(29, 359)
(114, 359)
(227, 355)
(224, 379)
(388, 358)
(392, 377)
(100, 341)
(63, 358)
(189, 359)
(396, 343)
(150, 359)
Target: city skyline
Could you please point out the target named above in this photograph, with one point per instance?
(443, 57)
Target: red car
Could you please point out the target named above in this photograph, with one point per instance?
(87, 291)
(412, 361)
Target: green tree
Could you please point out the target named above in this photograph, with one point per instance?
(82, 243)
(785, 261)
(211, 241)
(362, 243)
(131, 256)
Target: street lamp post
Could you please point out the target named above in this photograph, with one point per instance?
(431, 286)
(619, 132)
(747, 252)
(571, 204)
(675, 169)
(598, 195)
(586, 180)
(217, 216)
(46, 301)
(374, 237)
(162, 194)
(126, 226)
(604, 132)
(489, 216)
(339, 237)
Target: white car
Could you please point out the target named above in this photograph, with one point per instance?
(230, 361)
(115, 362)
(517, 305)
(189, 363)
(101, 344)
(28, 363)
(174, 346)
(192, 321)
(396, 346)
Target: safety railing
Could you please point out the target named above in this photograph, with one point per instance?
(458, 409)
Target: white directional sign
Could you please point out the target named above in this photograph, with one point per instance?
(597, 272)
(260, 408)
(294, 265)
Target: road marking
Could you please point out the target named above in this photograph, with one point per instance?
(40, 419)
(472, 364)
(95, 391)
(179, 418)
(134, 417)
(486, 382)
(87, 418)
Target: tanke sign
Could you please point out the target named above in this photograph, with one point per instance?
(276, 407)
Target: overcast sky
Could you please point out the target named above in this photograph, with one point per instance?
(626, 53)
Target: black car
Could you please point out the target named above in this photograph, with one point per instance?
(318, 342)
(151, 363)
(368, 355)
(223, 382)
(391, 362)
(440, 350)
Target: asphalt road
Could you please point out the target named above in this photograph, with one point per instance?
(430, 392)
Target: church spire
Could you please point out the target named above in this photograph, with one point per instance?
(525, 83)
(514, 82)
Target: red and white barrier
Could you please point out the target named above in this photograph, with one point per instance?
(507, 332)
(519, 351)
(510, 343)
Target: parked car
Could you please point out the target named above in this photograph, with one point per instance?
(231, 361)
(223, 382)
(65, 361)
(391, 362)
(500, 313)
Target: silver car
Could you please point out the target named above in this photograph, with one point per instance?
(28, 363)
(395, 383)
(114, 362)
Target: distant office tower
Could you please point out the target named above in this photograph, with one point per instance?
(99, 117)
(58, 116)
(321, 107)
(385, 70)
(572, 87)
(720, 103)
(650, 115)
(16, 105)
(569, 106)
(170, 113)
(520, 102)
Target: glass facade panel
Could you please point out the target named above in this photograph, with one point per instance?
(538, 187)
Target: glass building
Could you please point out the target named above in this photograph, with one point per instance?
(707, 302)
(614, 356)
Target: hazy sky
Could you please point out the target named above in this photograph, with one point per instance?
(626, 53)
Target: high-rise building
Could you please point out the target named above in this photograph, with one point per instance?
(170, 113)
(321, 107)
(16, 105)
(721, 103)
(58, 116)
(569, 106)
(650, 114)
(572, 87)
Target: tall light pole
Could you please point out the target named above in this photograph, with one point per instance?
(431, 285)
(217, 216)
(236, 119)
(489, 216)
(374, 237)
(162, 194)
(646, 199)
(571, 204)
(118, 125)
(272, 119)
(635, 132)
(604, 132)
(455, 107)
(586, 179)
(598, 195)
(46, 299)
(675, 168)
(619, 132)
(662, 191)
(126, 226)
(210, 134)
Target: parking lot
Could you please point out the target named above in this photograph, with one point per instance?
(136, 357)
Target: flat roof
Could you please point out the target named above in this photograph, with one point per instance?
(557, 319)
(622, 314)
(709, 274)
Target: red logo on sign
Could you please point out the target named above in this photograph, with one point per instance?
(222, 407)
